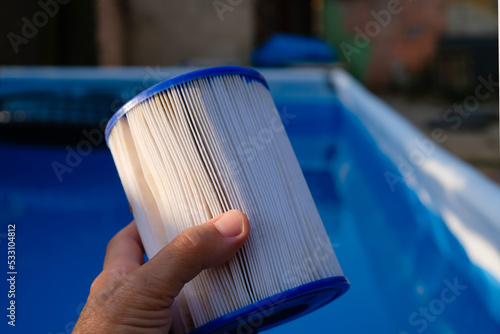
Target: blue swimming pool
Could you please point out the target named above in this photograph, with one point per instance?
(409, 271)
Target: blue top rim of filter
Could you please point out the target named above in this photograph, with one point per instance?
(180, 79)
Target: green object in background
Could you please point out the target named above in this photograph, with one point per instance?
(355, 55)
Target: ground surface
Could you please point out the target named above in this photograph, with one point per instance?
(475, 140)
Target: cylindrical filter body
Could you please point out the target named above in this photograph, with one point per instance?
(197, 145)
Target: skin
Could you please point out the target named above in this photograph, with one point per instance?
(130, 296)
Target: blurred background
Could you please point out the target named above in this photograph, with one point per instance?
(67, 65)
(420, 56)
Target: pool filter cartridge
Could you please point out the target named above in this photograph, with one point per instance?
(200, 144)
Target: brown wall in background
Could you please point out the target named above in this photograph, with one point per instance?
(128, 32)
(175, 32)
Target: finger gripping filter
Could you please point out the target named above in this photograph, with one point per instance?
(200, 144)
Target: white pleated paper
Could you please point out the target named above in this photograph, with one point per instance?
(198, 149)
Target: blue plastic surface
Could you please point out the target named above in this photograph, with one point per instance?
(279, 308)
(290, 49)
(205, 73)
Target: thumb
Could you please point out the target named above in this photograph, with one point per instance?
(204, 246)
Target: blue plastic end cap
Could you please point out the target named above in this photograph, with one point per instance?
(278, 309)
(248, 73)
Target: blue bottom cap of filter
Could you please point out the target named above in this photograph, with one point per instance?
(278, 309)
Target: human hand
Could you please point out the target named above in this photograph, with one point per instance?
(130, 296)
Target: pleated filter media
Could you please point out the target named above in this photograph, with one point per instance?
(184, 153)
